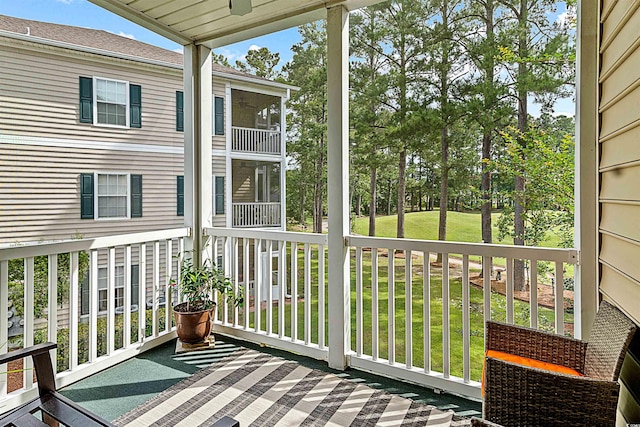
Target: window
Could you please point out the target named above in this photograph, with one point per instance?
(109, 102)
(103, 280)
(110, 196)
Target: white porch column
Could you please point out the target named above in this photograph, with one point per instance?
(198, 197)
(587, 176)
(338, 172)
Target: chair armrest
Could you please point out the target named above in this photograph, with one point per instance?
(522, 395)
(534, 344)
(26, 352)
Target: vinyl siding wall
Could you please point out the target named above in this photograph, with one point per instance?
(619, 196)
(45, 148)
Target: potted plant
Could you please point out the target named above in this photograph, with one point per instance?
(194, 317)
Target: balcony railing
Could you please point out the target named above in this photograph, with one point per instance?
(399, 301)
(246, 140)
(256, 214)
(45, 284)
(410, 318)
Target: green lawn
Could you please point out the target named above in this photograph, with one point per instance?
(461, 227)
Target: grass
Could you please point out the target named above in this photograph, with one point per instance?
(461, 227)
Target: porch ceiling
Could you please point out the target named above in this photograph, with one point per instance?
(209, 22)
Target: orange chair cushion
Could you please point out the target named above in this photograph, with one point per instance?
(526, 361)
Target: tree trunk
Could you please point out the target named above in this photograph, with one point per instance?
(372, 202)
(444, 187)
(402, 169)
(519, 184)
(389, 195)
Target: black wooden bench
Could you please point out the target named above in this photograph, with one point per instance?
(50, 408)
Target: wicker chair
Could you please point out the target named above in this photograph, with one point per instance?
(517, 395)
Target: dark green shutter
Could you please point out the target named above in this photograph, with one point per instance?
(219, 116)
(180, 192)
(86, 100)
(135, 106)
(179, 111)
(84, 295)
(219, 195)
(136, 196)
(86, 196)
(135, 284)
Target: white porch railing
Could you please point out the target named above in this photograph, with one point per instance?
(91, 336)
(247, 140)
(405, 299)
(256, 214)
(291, 315)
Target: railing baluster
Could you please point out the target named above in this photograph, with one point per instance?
(359, 299)
(486, 289)
(559, 299)
(226, 265)
(126, 333)
(408, 308)
(167, 285)
(509, 290)
(29, 318)
(74, 312)
(52, 302)
(534, 293)
(236, 283)
(94, 307)
(269, 286)
(111, 301)
(391, 305)
(375, 349)
(4, 314)
(446, 327)
(257, 284)
(321, 295)
(142, 297)
(294, 291)
(156, 286)
(466, 326)
(245, 278)
(307, 293)
(426, 310)
(282, 286)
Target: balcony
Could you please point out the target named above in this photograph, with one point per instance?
(257, 214)
(410, 319)
(256, 141)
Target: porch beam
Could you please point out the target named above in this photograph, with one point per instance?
(587, 276)
(198, 197)
(338, 180)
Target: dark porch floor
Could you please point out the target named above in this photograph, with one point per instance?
(121, 388)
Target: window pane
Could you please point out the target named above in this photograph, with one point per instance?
(111, 97)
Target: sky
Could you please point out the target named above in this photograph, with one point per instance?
(82, 13)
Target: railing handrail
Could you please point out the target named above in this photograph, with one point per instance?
(255, 204)
(569, 256)
(255, 129)
(311, 238)
(27, 250)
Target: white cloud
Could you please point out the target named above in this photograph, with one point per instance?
(129, 36)
(254, 47)
(179, 49)
(65, 1)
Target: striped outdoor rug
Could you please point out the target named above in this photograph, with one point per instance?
(258, 389)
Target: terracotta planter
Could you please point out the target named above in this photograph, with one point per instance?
(193, 327)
